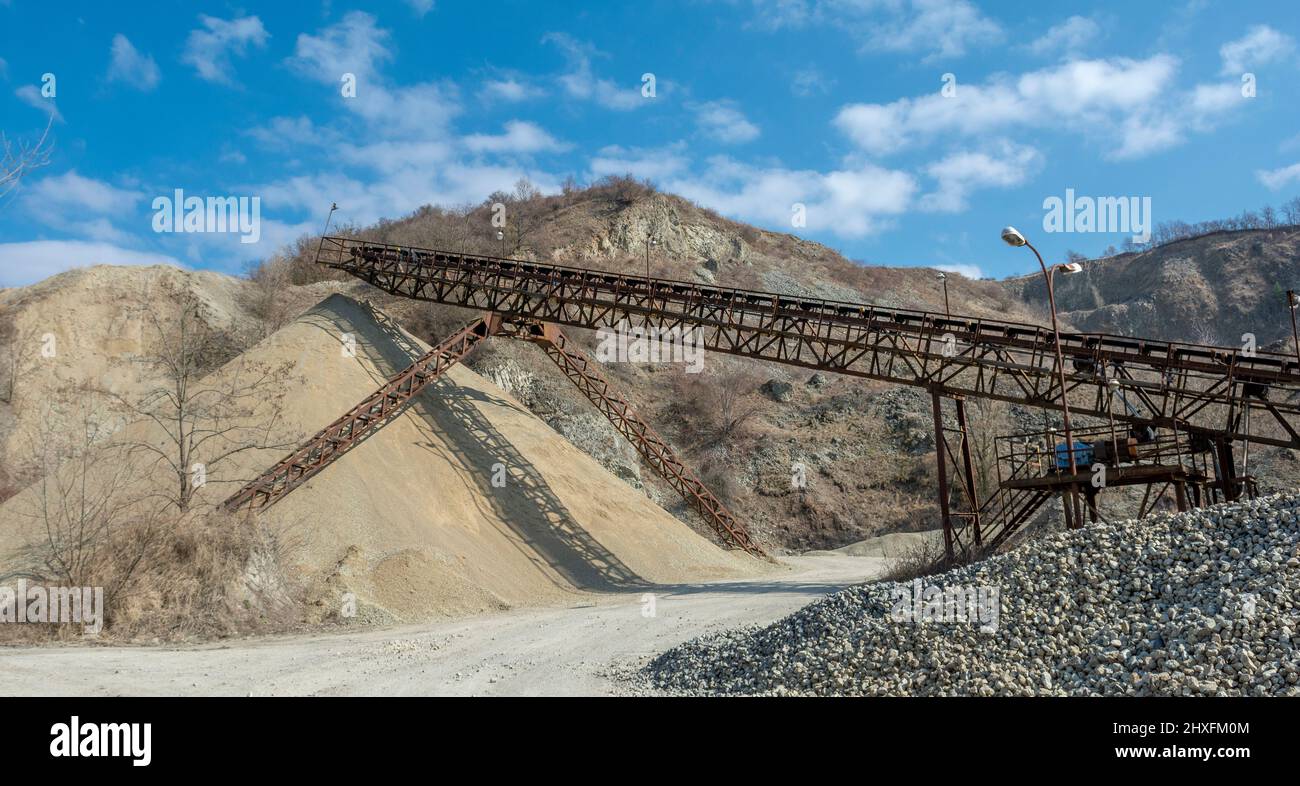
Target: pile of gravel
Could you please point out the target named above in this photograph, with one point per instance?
(1199, 603)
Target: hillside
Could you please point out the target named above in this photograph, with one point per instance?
(411, 522)
(1210, 289)
(866, 448)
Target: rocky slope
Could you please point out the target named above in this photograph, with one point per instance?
(1211, 289)
(865, 449)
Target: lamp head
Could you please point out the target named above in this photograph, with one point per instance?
(1012, 237)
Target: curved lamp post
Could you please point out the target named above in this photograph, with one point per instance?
(1012, 237)
(650, 240)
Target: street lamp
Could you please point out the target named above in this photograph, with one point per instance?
(1292, 301)
(1012, 237)
(943, 278)
(333, 206)
(650, 240)
(1112, 385)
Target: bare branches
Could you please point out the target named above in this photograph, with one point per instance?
(200, 417)
(19, 158)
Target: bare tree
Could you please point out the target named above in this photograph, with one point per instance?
(203, 418)
(95, 521)
(19, 158)
(718, 409)
(1292, 211)
(987, 421)
(524, 217)
(17, 348)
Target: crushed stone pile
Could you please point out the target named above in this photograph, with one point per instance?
(1199, 603)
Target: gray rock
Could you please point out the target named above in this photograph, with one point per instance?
(777, 390)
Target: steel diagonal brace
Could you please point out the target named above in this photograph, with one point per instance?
(653, 448)
(362, 420)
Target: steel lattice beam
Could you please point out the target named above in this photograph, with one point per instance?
(362, 420)
(653, 448)
(1182, 387)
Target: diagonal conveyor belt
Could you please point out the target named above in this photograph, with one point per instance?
(653, 448)
(365, 418)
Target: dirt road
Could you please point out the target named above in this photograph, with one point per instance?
(554, 651)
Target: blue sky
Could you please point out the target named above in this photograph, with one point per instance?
(836, 105)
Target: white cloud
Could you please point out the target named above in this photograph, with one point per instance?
(1144, 134)
(420, 7)
(284, 133)
(968, 271)
(961, 173)
(26, 263)
(810, 81)
(1213, 99)
(1067, 38)
(353, 45)
(356, 46)
(208, 49)
(940, 28)
(581, 82)
(31, 96)
(520, 137)
(1133, 107)
(510, 90)
(723, 121)
(71, 191)
(852, 202)
(655, 164)
(945, 28)
(130, 66)
(1277, 179)
(1260, 45)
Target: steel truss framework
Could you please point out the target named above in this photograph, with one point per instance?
(1182, 387)
(362, 420)
(389, 400)
(1207, 393)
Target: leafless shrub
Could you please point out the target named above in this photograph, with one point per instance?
(922, 557)
(719, 409)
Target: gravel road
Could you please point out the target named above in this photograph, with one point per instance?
(553, 651)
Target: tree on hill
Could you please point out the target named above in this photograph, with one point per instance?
(202, 419)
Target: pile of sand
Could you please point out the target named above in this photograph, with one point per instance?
(416, 520)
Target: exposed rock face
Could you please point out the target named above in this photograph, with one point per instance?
(1212, 289)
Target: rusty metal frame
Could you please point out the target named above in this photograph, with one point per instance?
(1193, 389)
(1182, 386)
(362, 420)
(654, 449)
(962, 516)
(389, 400)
